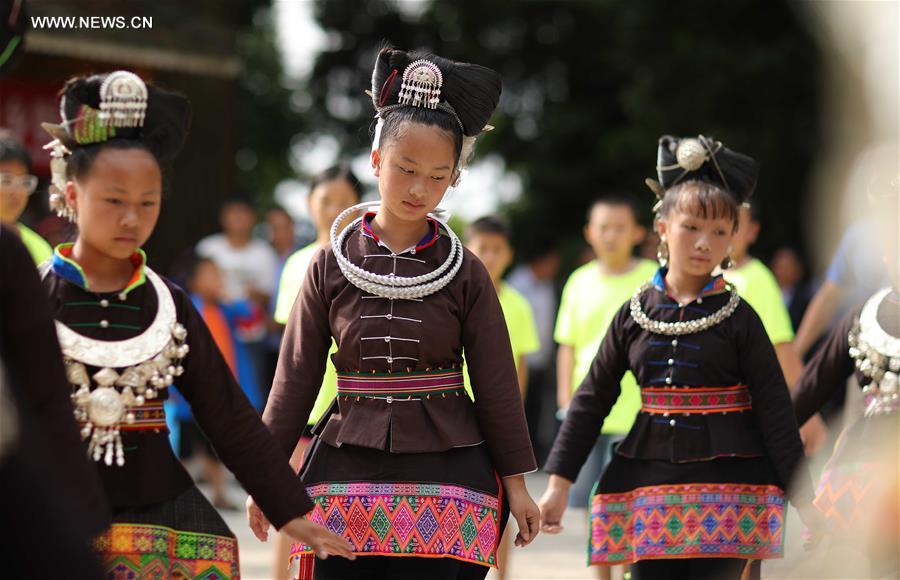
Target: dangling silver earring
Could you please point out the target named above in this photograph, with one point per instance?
(662, 252)
(727, 263)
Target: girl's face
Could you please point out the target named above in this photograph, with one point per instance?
(14, 191)
(696, 245)
(414, 171)
(328, 200)
(118, 201)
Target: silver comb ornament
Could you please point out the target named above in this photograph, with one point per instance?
(123, 100)
(421, 87)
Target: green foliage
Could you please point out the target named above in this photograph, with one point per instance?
(589, 86)
(265, 121)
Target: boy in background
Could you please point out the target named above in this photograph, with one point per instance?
(591, 297)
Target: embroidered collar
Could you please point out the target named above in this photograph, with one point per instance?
(428, 240)
(64, 266)
(715, 286)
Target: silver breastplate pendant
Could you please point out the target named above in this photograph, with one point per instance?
(148, 363)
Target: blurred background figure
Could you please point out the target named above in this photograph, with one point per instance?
(330, 193)
(791, 275)
(591, 297)
(536, 279)
(16, 185)
(249, 267)
(206, 287)
(280, 231)
(490, 239)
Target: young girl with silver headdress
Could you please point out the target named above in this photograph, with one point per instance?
(127, 334)
(406, 466)
(696, 488)
(859, 491)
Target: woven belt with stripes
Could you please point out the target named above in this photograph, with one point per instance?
(695, 400)
(408, 385)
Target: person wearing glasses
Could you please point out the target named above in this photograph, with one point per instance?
(16, 185)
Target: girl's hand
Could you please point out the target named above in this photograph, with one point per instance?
(814, 521)
(523, 509)
(323, 542)
(553, 504)
(814, 434)
(259, 524)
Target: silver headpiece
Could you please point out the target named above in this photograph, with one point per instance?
(422, 81)
(123, 100)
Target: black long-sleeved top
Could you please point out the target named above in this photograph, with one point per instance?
(734, 352)
(152, 473)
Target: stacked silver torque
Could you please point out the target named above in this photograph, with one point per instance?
(876, 355)
(393, 287)
(146, 364)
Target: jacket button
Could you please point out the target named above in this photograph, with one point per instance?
(389, 400)
(672, 423)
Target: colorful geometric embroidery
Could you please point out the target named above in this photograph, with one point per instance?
(132, 551)
(417, 384)
(408, 519)
(151, 416)
(846, 493)
(696, 520)
(695, 400)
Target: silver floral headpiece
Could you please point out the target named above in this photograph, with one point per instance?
(422, 82)
(123, 100)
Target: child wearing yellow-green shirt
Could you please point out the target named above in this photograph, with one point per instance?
(331, 192)
(489, 238)
(592, 295)
(757, 286)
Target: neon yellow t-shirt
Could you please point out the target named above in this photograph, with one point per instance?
(292, 276)
(589, 302)
(757, 285)
(523, 336)
(37, 246)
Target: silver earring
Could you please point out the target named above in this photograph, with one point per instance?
(662, 252)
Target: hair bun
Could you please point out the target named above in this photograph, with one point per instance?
(164, 128)
(703, 158)
(472, 90)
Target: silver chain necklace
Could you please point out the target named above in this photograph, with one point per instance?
(683, 327)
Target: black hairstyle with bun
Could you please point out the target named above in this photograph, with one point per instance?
(703, 177)
(469, 94)
(162, 133)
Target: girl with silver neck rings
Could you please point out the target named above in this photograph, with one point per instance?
(417, 476)
(127, 334)
(696, 489)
